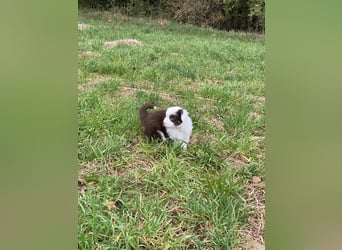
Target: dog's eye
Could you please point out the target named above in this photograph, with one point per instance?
(175, 119)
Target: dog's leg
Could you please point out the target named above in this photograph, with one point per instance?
(162, 136)
(184, 145)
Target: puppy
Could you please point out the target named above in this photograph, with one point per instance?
(173, 122)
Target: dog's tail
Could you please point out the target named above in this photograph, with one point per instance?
(144, 108)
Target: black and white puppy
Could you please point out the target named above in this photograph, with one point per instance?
(173, 122)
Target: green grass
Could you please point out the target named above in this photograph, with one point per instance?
(154, 196)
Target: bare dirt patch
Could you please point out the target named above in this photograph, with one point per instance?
(216, 122)
(93, 167)
(128, 42)
(114, 15)
(138, 162)
(82, 26)
(87, 54)
(213, 81)
(168, 97)
(126, 92)
(110, 167)
(194, 85)
(92, 81)
(194, 139)
(255, 245)
(238, 159)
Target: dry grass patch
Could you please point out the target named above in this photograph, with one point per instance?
(114, 15)
(138, 162)
(259, 102)
(110, 167)
(216, 122)
(126, 92)
(238, 159)
(93, 167)
(128, 42)
(87, 54)
(167, 97)
(82, 26)
(196, 85)
(254, 115)
(254, 233)
(92, 80)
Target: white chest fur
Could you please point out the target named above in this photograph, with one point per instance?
(181, 134)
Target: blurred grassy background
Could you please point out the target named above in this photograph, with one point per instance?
(38, 138)
(303, 122)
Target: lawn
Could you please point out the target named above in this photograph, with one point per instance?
(135, 194)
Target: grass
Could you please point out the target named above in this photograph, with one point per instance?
(140, 195)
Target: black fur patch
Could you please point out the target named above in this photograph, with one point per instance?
(151, 122)
(177, 118)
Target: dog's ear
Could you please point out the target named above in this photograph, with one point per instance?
(180, 112)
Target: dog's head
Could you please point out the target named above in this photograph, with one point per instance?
(174, 117)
